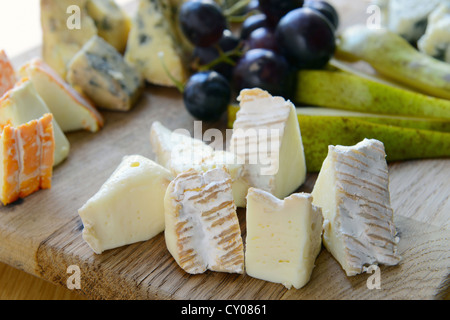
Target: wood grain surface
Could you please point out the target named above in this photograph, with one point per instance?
(41, 235)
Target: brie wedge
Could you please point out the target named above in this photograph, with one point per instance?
(283, 238)
(178, 153)
(202, 229)
(267, 139)
(129, 207)
(353, 191)
(71, 110)
(22, 104)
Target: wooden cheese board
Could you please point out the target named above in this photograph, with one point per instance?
(42, 233)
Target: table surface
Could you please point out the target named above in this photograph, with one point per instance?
(18, 285)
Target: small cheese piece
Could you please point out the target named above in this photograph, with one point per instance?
(436, 40)
(111, 21)
(408, 18)
(202, 229)
(129, 207)
(266, 137)
(103, 75)
(66, 27)
(26, 158)
(353, 191)
(7, 74)
(179, 152)
(283, 237)
(154, 41)
(23, 104)
(71, 110)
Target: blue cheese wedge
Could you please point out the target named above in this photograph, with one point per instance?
(283, 237)
(61, 43)
(112, 23)
(352, 190)
(128, 208)
(436, 40)
(100, 71)
(202, 230)
(409, 18)
(155, 44)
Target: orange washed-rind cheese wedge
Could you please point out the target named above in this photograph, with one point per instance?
(26, 158)
(7, 74)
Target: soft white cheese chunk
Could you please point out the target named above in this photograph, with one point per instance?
(179, 152)
(353, 191)
(129, 207)
(266, 138)
(283, 237)
(202, 229)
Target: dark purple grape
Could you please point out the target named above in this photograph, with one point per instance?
(276, 9)
(264, 69)
(206, 95)
(326, 9)
(205, 55)
(306, 38)
(202, 22)
(252, 23)
(262, 38)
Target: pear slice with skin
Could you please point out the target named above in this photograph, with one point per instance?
(401, 143)
(342, 90)
(395, 58)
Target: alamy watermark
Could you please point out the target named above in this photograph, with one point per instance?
(74, 20)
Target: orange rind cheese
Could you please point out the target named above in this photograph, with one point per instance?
(7, 74)
(26, 158)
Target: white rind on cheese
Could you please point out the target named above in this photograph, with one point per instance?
(283, 237)
(129, 207)
(352, 190)
(267, 139)
(201, 226)
(178, 153)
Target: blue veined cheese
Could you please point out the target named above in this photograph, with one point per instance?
(408, 18)
(100, 71)
(155, 43)
(352, 190)
(112, 23)
(60, 43)
(436, 40)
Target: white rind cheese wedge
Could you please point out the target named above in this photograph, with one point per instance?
(283, 237)
(154, 38)
(71, 110)
(353, 191)
(23, 104)
(104, 76)
(202, 229)
(178, 153)
(266, 137)
(129, 207)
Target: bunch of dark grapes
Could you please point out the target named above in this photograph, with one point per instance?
(276, 40)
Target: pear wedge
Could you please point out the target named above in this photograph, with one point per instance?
(395, 58)
(342, 90)
(319, 130)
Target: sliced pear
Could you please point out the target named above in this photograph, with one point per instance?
(71, 110)
(22, 104)
(342, 90)
(335, 127)
(394, 57)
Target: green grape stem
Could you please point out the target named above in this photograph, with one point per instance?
(178, 84)
(224, 57)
